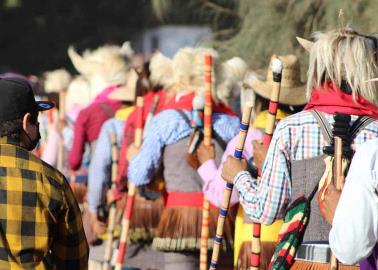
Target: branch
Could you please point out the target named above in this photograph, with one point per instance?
(219, 8)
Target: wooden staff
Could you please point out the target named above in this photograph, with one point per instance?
(60, 157)
(338, 178)
(151, 113)
(208, 111)
(113, 208)
(269, 129)
(244, 125)
(138, 137)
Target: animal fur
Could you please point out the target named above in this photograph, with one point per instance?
(344, 55)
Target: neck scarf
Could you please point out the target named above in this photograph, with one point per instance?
(330, 99)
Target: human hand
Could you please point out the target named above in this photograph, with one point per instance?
(205, 153)
(98, 226)
(62, 123)
(132, 151)
(259, 153)
(329, 204)
(231, 167)
(110, 198)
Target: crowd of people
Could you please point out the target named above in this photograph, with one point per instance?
(113, 166)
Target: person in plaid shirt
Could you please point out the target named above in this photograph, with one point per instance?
(341, 63)
(40, 221)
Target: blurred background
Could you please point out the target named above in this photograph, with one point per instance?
(35, 34)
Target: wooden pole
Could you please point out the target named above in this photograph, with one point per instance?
(127, 214)
(60, 157)
(208, 111)
(112, 211)
(244, 125)
(269, 129)
(338, 178)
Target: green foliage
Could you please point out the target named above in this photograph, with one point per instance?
(265, 27)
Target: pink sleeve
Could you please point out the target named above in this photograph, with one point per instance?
(76, 153)
(213, 183)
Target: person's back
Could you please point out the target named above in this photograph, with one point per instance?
(40, 221)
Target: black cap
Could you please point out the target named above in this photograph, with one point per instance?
(17, 98)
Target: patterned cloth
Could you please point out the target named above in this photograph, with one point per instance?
(297, 137)
(168, 127)
(40, 221)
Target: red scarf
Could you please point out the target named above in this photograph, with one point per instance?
(185, 101)
(330, 99)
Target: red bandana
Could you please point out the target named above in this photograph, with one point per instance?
(330, 99)
(185, 101)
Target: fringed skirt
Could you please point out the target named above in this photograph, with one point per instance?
(179, 229)
(145, 218)
(304, 265)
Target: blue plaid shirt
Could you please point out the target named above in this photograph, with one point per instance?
(169, 127)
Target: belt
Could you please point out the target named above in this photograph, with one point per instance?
(318, 252)
(185, 199)
(314, 252)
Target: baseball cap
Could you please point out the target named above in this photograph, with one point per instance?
(17, 98)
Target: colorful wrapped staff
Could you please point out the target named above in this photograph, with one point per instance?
(208, 111)
(112, 211)
(244, 125)
(269, 129)
(138, 137)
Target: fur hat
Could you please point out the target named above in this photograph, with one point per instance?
(56, 80)
(185, 72)
(78, 93)
(107, 65)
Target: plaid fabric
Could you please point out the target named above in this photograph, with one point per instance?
(296, 137)
(40, 221)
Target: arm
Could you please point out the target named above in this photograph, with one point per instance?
(355, 224)
(77, 150)
(214, 184)
(100, 166)
(69, 248)
(165, 128)
(266, 200)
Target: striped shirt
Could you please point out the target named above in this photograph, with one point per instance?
(169, 127)
(296, 137)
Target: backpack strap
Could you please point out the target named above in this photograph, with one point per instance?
(106, 108)
(360, 124)
(216, 136)
(324, 125)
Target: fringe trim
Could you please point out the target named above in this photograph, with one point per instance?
(185, 244)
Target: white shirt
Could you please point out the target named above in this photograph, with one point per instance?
(354, 230)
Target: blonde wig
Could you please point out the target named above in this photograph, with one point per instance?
(103, 67)
(56, 80)
(344, 55)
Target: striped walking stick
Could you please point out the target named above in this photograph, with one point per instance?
(208, 110)
(113, 208)
(244, 125)
(273, 107)
(138, 137)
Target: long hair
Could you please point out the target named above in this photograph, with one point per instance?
(344, 55)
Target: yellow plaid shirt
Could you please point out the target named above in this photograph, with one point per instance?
(40, 221)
